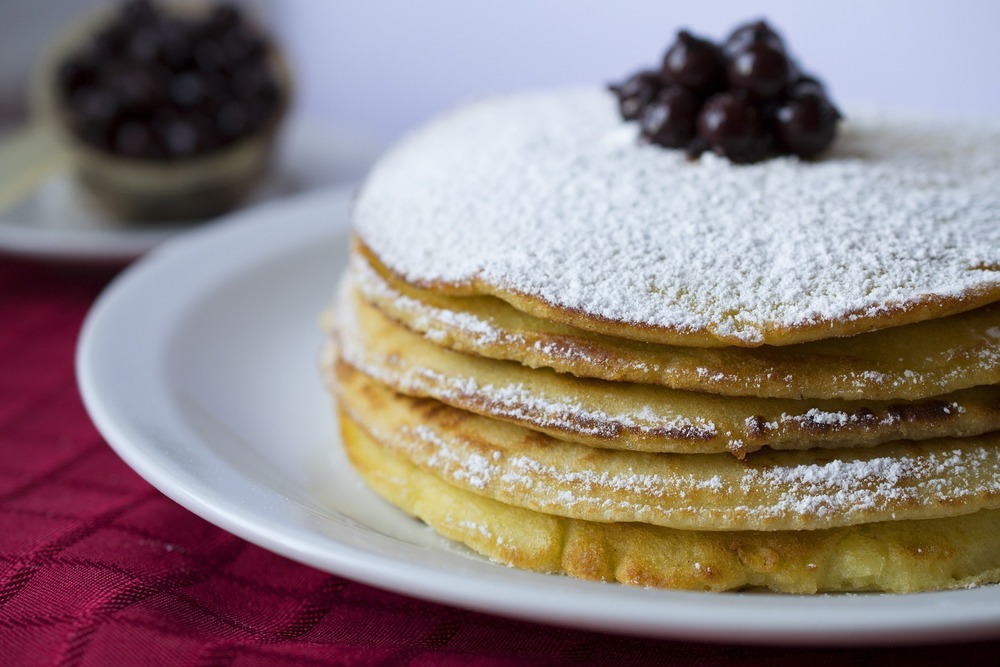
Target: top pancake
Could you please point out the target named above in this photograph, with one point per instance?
(548, 201)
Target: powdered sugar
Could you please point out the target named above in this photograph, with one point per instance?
(511, 400)
(435, 322)
(481, 335)
(439, 325)
(551, 196)
(768, 495)
(839, 418)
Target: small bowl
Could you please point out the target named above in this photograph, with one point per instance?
(202, 186)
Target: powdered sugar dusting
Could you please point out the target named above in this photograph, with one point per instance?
(550, 195)
(435, 322)
(511, 400)
(488, 337)
(771, 495)
(841, 419)
(439, 325)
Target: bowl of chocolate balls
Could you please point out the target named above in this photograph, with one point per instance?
(170, 112)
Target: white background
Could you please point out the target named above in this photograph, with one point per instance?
(383, 66)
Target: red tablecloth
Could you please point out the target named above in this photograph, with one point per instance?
(98, 568)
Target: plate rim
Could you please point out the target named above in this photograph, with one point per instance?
(773, 619)
(119, 246)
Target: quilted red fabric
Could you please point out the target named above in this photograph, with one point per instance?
(98, 568)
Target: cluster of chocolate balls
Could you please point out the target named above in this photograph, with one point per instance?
(746, 100)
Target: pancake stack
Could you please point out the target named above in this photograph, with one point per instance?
(579, 354)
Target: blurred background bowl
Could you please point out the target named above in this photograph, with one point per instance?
(201, 186)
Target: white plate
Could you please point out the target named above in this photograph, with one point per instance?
(58, 222)
(199, 367)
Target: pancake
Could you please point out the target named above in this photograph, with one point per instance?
(899, 557)
(796, 490)
(549, 202)
(557, 336)
(620, 415)
(917, 361)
